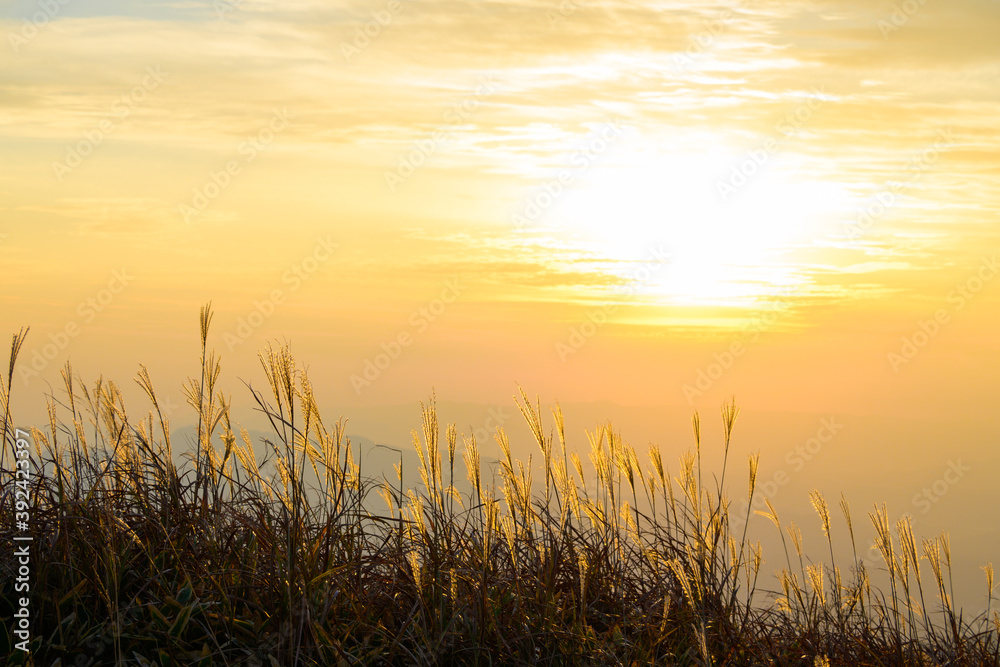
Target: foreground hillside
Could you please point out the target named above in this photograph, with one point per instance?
(230, 558)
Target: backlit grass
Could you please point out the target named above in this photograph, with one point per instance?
(233, 558)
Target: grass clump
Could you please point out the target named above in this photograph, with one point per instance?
(232, 558)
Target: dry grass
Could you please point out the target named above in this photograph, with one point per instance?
(233, 559)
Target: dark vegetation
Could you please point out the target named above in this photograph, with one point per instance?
(234, 559)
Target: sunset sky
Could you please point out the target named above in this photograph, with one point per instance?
(637, 209)
(595, 200)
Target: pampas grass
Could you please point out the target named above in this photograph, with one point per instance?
(234, 559)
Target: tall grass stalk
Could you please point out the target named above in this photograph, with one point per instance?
(236, 558)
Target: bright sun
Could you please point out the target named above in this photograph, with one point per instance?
(731, 251)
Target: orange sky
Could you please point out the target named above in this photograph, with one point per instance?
(614, 199)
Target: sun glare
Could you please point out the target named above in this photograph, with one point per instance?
(728, 247)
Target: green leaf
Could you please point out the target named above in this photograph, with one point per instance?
(245, 628)
(181, 622)
(206, 656)
(159, 618)
(185, 595)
